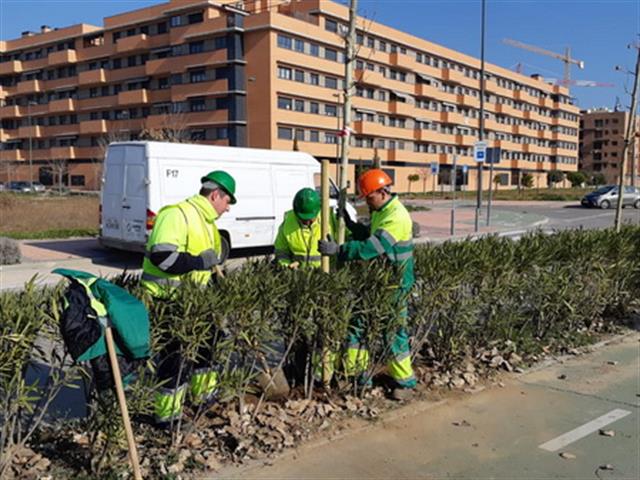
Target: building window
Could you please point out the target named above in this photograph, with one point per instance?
(198, 135)
(131, 61)
(195, 18)
(314, 136)
(285, 133)
(314, 79)
(162, 28)
(222, 133)
(220, 43)
(196, 76)
(314, 107)
(284, 73)
(299, 76)
(93, 92)
(330, 82)
(285, 42)
(298, 45)
(77, 180)
(163, 83)
(176, 21)
(300, 134)
(331, 110)
(330, 54)
(331, 25)
(197, 105)
(117, 63)
(314, 50)
(330, 138)
(222, 103)
(284, 103)
(196, 47)
(299, 106)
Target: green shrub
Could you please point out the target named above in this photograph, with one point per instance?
(9, 251)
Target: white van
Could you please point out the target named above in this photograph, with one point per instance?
(141, 177)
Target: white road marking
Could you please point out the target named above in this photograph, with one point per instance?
(584, 430)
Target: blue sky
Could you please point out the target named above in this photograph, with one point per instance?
(598, 31)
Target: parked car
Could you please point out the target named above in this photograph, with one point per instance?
(17, 186)
(37, 187)
(607, 197)
(25, 187)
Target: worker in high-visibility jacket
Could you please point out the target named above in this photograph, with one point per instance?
(297, 240)
(185, 243)
(389, 236)
(296, 246)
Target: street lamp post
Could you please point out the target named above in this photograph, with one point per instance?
(481, 125)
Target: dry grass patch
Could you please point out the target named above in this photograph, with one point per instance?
(23, 214)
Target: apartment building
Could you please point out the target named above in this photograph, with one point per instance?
(269, 75)
(601, 144)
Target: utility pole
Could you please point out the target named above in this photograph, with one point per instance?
(628, 138)
(30, 145)
(350, 43)
(481, 129)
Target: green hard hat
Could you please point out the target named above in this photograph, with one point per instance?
(224, 181)
(306, 204)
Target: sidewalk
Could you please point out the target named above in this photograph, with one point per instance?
(435, 224)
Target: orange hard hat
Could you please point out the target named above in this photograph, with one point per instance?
(373, 180)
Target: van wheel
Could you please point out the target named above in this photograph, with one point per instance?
(605, 205)
(637, 204)
(225, 248)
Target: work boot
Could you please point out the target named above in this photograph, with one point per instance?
(274, 386)
(402, 394)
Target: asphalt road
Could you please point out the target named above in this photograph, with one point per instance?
(509, 218)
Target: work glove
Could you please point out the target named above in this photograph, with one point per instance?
(209, 259)
(328, 246)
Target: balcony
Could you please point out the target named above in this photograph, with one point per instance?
(33, 131)
(13, 155)
(532, 148)
(402, 61)
(507, 110)
(468, 101)
(90, 77)
(374, 129)
(369, 77)
(507, 145)
(531, 115)
(30, 86)
(133, 43)
(10, 111)
(567, 107)
(93, 126)
(523, 130)
(133, 97)
(426, 135)
(402, 108)
(467, 140)
(13, 66)
(62, 105)
(492, 86)
(457, 118)
(545, 102)
(63, 56)
(182, 92)
(523, 96)
(455, 76)
(424, 90)
(63, 153)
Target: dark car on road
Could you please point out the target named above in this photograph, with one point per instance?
(607, 197)
(25, 187)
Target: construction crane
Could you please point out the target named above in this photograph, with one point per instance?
(565, 58)
(578, 83)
